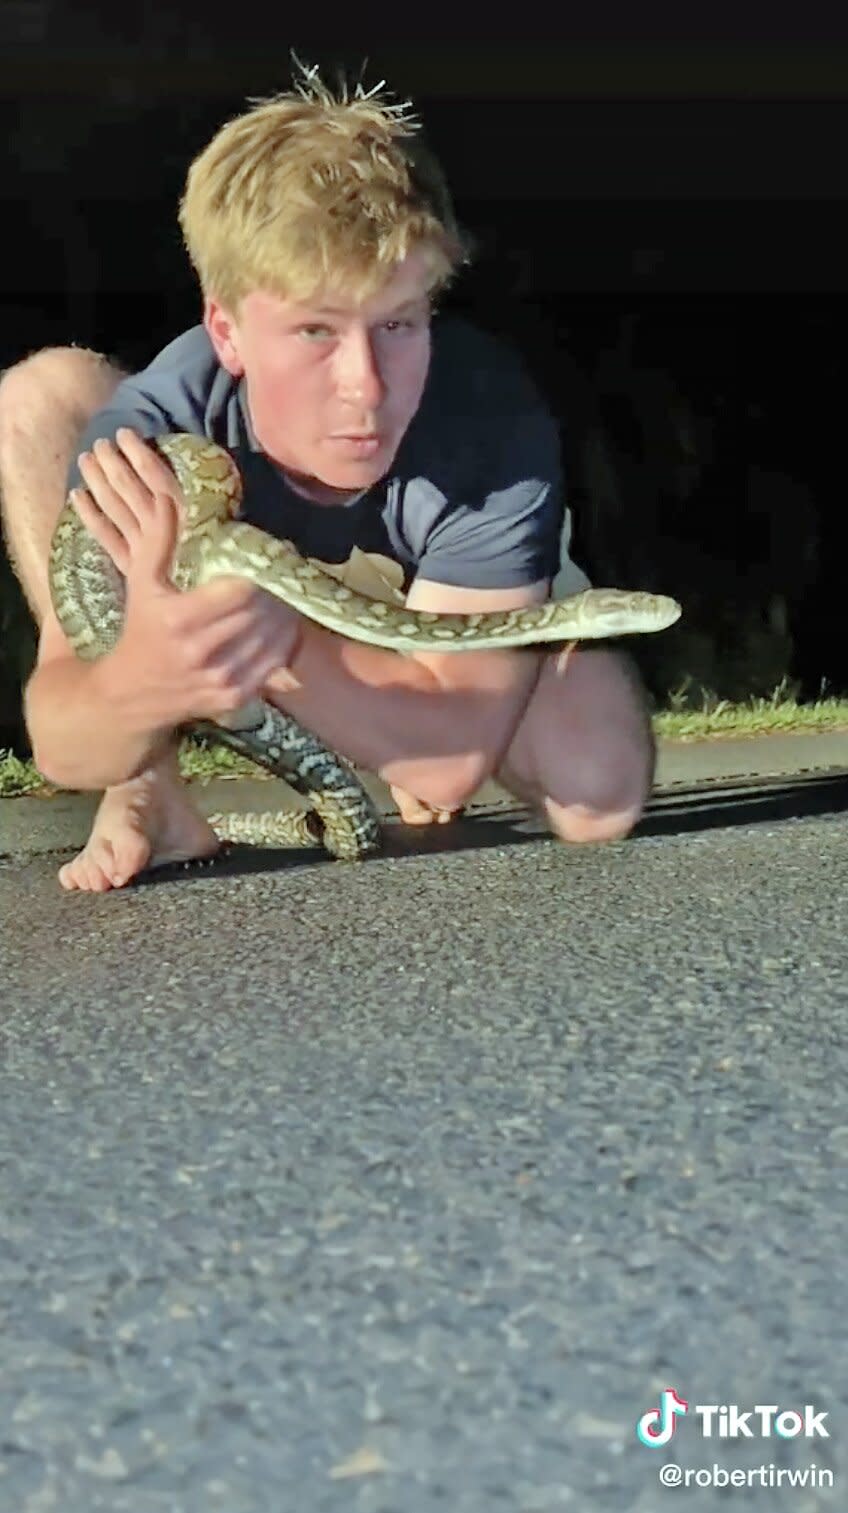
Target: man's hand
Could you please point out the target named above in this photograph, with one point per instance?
(182, 656)
(414, 811)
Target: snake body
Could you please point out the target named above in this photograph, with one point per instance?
(88, 597)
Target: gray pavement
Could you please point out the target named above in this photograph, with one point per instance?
(409, 1186)
(37, 825)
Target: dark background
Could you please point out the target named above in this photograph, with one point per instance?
(662, 231)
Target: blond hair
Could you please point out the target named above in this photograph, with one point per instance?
(308, 190)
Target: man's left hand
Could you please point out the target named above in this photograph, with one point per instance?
(414, 811)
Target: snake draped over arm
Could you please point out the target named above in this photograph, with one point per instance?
(88, 597)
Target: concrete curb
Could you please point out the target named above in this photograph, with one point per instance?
(38, 825)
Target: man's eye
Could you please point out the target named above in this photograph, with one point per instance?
(395, 325)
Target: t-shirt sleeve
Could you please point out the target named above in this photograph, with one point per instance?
(511, 533)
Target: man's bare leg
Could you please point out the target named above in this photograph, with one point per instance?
(584, 752)
(45, 404)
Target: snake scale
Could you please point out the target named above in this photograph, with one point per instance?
(88, 597)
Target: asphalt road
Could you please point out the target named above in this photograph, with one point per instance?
(410, 1185)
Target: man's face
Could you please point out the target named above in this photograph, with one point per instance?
(318, 373)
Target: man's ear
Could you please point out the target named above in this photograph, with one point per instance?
(223, 334)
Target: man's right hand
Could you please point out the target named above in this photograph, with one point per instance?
(181, 656)
(197, 655)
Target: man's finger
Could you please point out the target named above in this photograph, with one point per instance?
(121, 476)
(108, 499)
(154, 551)
(412, 811)
(101, 528)
(149, 464)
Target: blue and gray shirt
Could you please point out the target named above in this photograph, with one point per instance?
(473, 497)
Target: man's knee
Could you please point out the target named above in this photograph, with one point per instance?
(80, 380)
(586, 755)
(584, 825)
(607, 790)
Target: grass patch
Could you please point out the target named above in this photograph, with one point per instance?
(774, 715)
(17, 777)
(198, 764)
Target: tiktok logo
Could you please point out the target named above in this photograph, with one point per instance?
(729, 1421)
(658, 1425)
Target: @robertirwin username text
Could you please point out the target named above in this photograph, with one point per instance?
(672, 1475)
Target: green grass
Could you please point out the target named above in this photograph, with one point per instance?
(17, 777)
(776, 714)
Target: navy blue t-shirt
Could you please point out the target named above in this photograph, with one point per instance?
(473, 497)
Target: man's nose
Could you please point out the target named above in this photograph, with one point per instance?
(359, 378)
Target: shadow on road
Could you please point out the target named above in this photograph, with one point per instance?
(672, 812)
(744, 802)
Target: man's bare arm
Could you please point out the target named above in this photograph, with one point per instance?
(181, 657)
(518, 669)
(69, 708)
(433, 724)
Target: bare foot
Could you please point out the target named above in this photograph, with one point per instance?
(143, 823)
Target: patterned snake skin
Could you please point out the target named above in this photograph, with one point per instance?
(88, 596)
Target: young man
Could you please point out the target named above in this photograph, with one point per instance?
(321, 232)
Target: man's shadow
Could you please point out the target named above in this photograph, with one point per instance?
(674, 811)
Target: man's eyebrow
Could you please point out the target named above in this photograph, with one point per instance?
(417, 299)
